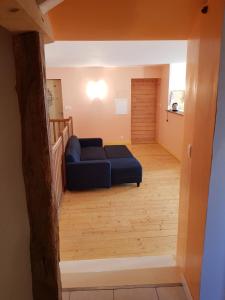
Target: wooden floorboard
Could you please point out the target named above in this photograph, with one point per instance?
(125, 220)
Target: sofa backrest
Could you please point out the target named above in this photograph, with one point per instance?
(72, 153)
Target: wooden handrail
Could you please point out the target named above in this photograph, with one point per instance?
(58, 125)
(60, 137)
(57, 154)
(61, 120)
(57, 144)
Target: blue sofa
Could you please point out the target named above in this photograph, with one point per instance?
(90, 165)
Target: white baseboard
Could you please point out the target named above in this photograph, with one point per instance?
(186, 288)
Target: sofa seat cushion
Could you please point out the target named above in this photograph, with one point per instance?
(92, 153)
(117, 151)
(125, 170)
(73, 150)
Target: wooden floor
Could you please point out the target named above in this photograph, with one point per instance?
(125, 220)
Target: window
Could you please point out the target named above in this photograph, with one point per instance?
(177, 85)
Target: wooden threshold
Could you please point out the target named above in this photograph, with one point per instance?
(150, 277)
(117, 272)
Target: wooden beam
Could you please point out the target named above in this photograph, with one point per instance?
(47, 5)
(40, 1)
(19, 16)
(37, 169)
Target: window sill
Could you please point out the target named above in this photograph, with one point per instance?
(178, 112)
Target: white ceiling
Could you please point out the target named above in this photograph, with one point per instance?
(114, 54)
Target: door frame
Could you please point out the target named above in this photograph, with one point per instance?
(44, 236)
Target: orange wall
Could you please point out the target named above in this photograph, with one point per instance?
(191, 97)
(123, 20)
(203, 66)
(170, 126)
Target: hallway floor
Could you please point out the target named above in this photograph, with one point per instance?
(160, 293)
(125, 220)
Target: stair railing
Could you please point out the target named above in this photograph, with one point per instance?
(60, 131)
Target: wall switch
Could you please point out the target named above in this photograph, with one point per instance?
(68, 107)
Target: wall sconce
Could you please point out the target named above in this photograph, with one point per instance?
(97, 89)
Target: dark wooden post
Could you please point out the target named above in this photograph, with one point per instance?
(42, 209)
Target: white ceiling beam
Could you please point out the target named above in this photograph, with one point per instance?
(40, 1)
(47, 5)
(114, 53)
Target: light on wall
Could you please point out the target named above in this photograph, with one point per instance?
(177, 79)
(96, 89)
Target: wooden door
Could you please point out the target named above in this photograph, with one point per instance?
(143, 110)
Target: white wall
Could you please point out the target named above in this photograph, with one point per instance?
(15, 273)
(213, 272)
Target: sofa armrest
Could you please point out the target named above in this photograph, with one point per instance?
(88, 174)
(91, 142)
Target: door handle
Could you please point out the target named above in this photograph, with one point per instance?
(189, 150)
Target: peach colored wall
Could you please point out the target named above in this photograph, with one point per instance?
(98, 118)
(170, 126)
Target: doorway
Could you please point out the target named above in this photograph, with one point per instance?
(143, 110)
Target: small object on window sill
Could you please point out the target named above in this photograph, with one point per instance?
(175, 106)
(178, 112)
